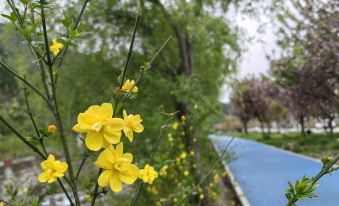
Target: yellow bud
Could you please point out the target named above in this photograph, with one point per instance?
(183, 118)
(52, 128)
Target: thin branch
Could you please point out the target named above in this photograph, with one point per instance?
(155, 150)
(325, 170)
(95, 194)
(80, 167)
(147, 67)
(65, 191)
(33, 121)
(55, 110)
(75, 27)
(129, 55)
(22, 138)
(207, 175)
(12, 72)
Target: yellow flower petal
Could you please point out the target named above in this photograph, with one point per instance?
(138, 128)
(104, 178)
(129, 133)
(115, 183)
(106, 159)
(119, 150)
(131, 176)
(43, 177)
(106, 110)
(128, 156)
(94, 141)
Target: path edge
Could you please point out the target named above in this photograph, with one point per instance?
(240, 193)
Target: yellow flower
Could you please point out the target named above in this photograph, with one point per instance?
(186, 173)
(163, 171)
(148, 174)
(117, 168)
(52, 128)
(52, 169)
(102, 130)
(25, 189)
(201, 196)
(132, 124)
(128, 85)
(169, 137)
(55, 47)
(183, 155)
(175, 125)
(2, 204)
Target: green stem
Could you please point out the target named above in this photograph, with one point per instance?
(41, 141)
(95, 194)
(129, 55)
(147, 67)
(23, 139)
(55, 110)
(12, 72)
(65, 191)
(80, 167)
(75, 27)
(325, 170)
(207, 175)
(155, 150)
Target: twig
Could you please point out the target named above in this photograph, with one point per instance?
(325, 170)
(129, 55)
(155, 150)
(207, 175)
(22, 138)
(12, 72)
(75, 27)
(33, 122)
(95, 194)
(55, 110)
(148, 67)
(80, 167)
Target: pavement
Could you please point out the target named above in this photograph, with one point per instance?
(260, 173)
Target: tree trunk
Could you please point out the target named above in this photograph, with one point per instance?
(302, 124)
(330, 126)
(262, 128)
(245, 127)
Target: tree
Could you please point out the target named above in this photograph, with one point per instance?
(308, 37)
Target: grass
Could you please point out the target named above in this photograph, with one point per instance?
(315, 145)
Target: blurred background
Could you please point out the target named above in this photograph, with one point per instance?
(263, 70)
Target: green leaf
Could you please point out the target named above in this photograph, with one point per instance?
(12, 17)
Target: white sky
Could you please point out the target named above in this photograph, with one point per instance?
(260, 41)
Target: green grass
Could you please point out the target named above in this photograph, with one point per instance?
(315, 145)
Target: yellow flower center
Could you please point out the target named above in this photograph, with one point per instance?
(97, 126)
(121, 165)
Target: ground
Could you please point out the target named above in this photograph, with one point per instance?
(314, 145)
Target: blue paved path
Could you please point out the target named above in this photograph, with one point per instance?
(263, 171)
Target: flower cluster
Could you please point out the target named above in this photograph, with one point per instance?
(102, 132)
(52, 169)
